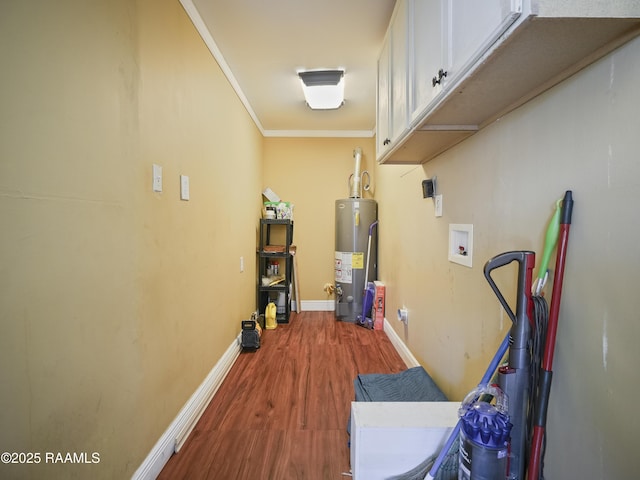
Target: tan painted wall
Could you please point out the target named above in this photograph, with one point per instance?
(312, 173)
(110, 312)
(582, 135)
(115, 302)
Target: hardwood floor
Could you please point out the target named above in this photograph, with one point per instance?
(282, 411)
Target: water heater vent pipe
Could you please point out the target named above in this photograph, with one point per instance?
(356, 178)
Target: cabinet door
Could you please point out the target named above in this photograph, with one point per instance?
(427, 52)
(383, 134)
(399, 37)
(473, 27)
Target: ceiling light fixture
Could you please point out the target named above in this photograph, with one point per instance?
(323, 89)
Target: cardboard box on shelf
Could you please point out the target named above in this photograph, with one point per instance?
(270, 195)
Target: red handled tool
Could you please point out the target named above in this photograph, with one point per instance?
(544, 387)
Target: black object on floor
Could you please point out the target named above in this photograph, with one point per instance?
(250, 338)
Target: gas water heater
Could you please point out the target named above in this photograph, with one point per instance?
(355, 255)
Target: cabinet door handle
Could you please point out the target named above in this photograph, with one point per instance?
(438, 79)
(387, 141)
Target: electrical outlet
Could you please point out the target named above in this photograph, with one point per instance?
(403, 315)
(437, 200)
(241, 264)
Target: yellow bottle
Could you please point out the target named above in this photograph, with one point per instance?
(270, 316)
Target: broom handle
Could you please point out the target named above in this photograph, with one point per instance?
(546, 374)
(366, 271)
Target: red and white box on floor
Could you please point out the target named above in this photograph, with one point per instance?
(378, 306)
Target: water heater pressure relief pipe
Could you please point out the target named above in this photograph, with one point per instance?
(356, 179)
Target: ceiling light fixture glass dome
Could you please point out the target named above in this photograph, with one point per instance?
(323, 89)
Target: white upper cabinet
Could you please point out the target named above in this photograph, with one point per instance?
(383, 110)
(393, 77)
(399, 36)
(472, 27)
(448, 37)
(455, 66)
(427, 52)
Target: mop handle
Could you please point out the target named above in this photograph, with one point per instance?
(546, 372)
(366, 271)
(486, 378)
(556, 292)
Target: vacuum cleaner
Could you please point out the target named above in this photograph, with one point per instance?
(484, 434)
(514, 377)
(524, 380)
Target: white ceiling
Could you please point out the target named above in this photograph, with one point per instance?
(262, 44)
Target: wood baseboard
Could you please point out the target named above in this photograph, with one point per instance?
(173, 438)
(400, 346)
(317, 305)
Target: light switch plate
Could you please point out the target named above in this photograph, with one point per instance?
(438, 205)
(184, 187)
(157, 178)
